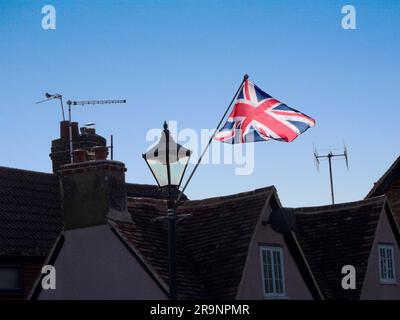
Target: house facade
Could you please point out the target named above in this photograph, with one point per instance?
(108, 239)
(363, 235)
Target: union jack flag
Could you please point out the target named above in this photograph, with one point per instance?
(256, 116)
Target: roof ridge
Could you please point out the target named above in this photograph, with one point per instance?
(3, 168)
(339, 206)
(234, 196)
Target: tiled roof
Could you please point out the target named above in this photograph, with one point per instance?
(389, 184)
(337, 235)
(213, 236)
(30, 210)
(149, 191)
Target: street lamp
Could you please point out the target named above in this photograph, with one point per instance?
(167, 162)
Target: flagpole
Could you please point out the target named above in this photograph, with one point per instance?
(245, 77)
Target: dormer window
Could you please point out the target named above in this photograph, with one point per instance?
(272, 271)
(386, 264)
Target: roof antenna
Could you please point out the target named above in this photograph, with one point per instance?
(329, 156)
(82, 103)
(51, 97)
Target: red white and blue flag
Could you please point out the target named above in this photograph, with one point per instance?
(256, 116)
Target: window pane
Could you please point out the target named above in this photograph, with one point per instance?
(384, 263)
(279, 276)
(381, 259)
(269, 257)
(264, 256)
(270, 285)
(389, 253)
(278, 272)
(9, 278)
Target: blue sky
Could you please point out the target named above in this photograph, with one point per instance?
(182, 60)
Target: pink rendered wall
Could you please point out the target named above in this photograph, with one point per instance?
(94, 264)
(252, 286)
(373, 288)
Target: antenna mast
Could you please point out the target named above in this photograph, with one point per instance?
(81, 103)
(329, 156)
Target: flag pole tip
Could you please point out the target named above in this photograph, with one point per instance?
(245, 77)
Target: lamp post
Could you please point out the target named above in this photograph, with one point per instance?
(167, 162)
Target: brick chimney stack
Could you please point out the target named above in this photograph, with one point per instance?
(92, 192)
(85, 140)
(93, 188)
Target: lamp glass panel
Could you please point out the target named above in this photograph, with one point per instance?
(160, 171)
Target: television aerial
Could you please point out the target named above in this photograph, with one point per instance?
(71, 103)
(330, 155)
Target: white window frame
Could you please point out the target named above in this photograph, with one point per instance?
(279, 250)
(387, 248)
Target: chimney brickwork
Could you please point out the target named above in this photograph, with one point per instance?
(85, 140)
(93, 192)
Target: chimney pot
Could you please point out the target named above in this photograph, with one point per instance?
(100, 152)
(64, 130)
(88, 131)
(80, 155)
(75, 129)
